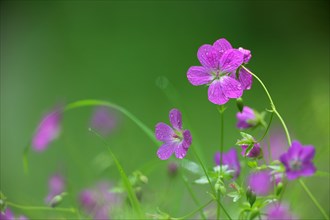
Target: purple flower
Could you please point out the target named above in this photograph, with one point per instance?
(56, 186)
(99, 201)
(8, 215)
(246, 54)
(278, 211)
(230, 159)
(175, 140)
(246, 119)
(260, 182)
(298, 160)
(103, 120)
(219, 64)
(48, 130)
(255, 151)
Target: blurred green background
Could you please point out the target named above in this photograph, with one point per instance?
(62, 51)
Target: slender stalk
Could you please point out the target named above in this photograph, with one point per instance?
(313, 199)
(221, 110)
(267, 129)
(193, 196)
(272, 105)
(128, 186)
(194, 212)
(41, 208)
(311, 196)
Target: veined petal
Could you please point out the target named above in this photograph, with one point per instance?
(246, 54)
(165, 151)
(222, 45)
(245, 79)
(230, 60)
(215, 93)
(163, 132)
(187, 139)
(198, 75)
(308, 169)
(231, 88)
(307, 153)
(208, 56)
(180, 151)
(176, 119)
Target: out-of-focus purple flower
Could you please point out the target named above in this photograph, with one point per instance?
(255, 151)
(277, 211)
(298, 160)
(103, 120)
(260, 182)
(8, 215)
(56, 186)
(230, 159)
(219, 64)
(172, 168)
(99, 201)
(247, 118)
(175, 140)
(277, 145)
(48, 130)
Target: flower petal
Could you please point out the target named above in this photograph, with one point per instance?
(246, 54)
(245, 79)
(165, 151)
(230, 60)
(208, 56)
(222, 45)
(187, 139)
(198, 75)
(215, 93)
(180, 151)
(163, 132)
(308, 169)
(307, 153)
(231, 87)
(176, 119)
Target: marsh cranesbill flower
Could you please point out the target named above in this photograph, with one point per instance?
(99, 201)
(298, 160)
(8, 215)
(260, 183)
(103, 120)
(215, 73)
(48, 130)
(230, 159)
(255, 151)
(56, 186)
(277, 211)
(247, 118)
(175, 140)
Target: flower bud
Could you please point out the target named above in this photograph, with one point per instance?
(172, 169)
(250, 196)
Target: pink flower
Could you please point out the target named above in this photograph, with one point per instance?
(103, 120)
(260, 183)
(230, 159)
(47, 131)
(219, 64)
(56, 186)
(175, 140)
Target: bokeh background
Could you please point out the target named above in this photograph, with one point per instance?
(55, 52)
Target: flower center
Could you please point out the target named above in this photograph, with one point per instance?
(178, 135)
(295, 165)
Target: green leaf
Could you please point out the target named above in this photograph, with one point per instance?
(191, 166)
(202, 180)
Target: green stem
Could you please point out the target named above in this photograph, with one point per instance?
(128, 186)
(193, 196)
(267, 129)
(41, 208)
(194, 212)
(311, 196)
(313, 199)
(221, 110)
(272, 105)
